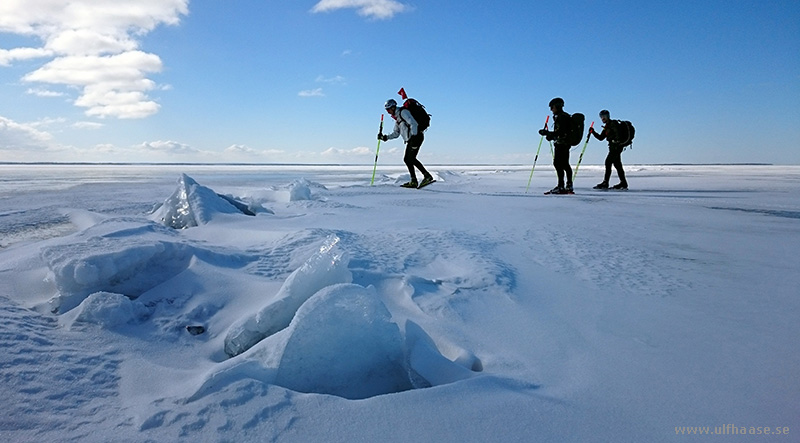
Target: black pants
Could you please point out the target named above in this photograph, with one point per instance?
(614, 158)
(561, 162)
(410, 158)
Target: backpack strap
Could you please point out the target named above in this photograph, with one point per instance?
(400, 116)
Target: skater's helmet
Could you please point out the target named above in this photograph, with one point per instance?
(390, 104)
(605, 112)
(558, 102)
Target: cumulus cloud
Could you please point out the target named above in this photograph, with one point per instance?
(168, 147)
(113, 86)
(8, 56)
(92, 45)
(16, 136)
(377, 9)
(19, 140)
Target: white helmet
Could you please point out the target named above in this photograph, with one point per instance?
(390, 104)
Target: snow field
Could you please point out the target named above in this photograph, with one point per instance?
(467, 310)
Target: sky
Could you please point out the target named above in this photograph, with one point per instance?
(249, 81)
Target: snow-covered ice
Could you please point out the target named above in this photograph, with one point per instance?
(299, 303)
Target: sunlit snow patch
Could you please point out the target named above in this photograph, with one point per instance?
(343, 342)
(327, 267)
(323, 334)
(192, 205)
(106, 309)
(121, 256)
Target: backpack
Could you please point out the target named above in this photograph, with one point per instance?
(419, 113)
(576, 129)
(625, 132)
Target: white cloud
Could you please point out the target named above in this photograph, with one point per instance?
(168, 147)
(39, 92)
(8, 56)
(378, 9)
(355, 152)
(240, 151)
(87, 125)
(48, 121)
(311, 93)
(22, 136)
(89, 42)
(337, 80)
(92, 44)
(113, 86)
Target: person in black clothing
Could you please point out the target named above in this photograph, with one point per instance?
(405, 126)
(562, 123)
(610, 132)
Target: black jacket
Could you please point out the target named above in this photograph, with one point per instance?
(610, 132)
(562, 125)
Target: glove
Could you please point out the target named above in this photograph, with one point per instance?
(382, 137)
(591, 130)
(543, 132)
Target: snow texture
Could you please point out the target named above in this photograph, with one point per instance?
(468, 311)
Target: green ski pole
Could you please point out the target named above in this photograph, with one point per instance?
(537, 155)
(380, 132)
(575, 174)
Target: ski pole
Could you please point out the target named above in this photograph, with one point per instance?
(380, 132)
(537, 155)
(575, 174)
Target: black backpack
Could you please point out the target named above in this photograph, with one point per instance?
(625, 133)
(419, 113)
(576, 129)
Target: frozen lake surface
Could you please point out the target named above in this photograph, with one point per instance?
(141, 303)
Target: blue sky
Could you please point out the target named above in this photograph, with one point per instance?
(305, 81)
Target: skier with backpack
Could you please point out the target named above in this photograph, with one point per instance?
(411, 128)
(619, 135)
(563, 135)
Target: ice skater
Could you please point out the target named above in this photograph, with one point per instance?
(406, 126)
(562, 126)
(614, 158)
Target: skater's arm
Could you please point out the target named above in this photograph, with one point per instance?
(395, 133)
(601, 136)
